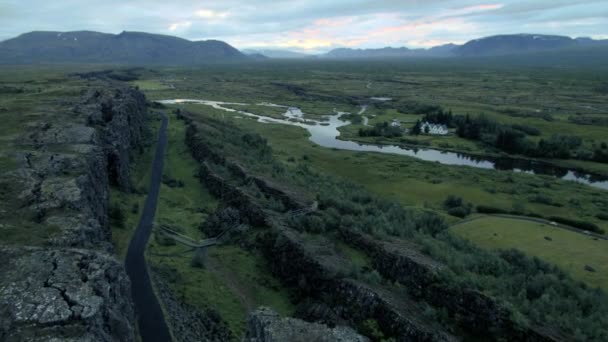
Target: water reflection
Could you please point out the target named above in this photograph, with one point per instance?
(325, 133)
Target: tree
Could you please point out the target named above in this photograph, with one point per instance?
(416, 130)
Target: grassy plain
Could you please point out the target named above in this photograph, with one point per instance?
(569, 250)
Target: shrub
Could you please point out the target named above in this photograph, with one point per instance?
(602, 216)
(461, 212)
(486, 209)
(592, 227)
(456, 206)
(543, 199)
(452, 202)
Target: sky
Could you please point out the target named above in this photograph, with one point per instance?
(312, 26)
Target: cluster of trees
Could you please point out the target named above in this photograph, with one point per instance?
(514, 139)
(440, 117)
(417, 108)
(383, 129)
(589, 120)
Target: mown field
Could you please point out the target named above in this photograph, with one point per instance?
(584, 257)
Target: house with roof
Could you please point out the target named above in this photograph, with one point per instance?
(433, 129)
(395, 123)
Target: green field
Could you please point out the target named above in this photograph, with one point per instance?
(569, 250)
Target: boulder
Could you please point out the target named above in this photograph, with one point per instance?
(265, 325)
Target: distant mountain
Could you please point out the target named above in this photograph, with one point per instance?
(126, 47)
(515, 44)
(390, 52)
(270, 53)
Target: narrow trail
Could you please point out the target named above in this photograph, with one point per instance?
(232, 283)
(150, 317)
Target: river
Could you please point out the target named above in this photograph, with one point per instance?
(325, 133)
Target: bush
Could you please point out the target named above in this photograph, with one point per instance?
(602, 216)
(220, 220)
(453, 202)
(456, 206)
(461, 212)
(486, 209)
(592, 227)
(543, 199)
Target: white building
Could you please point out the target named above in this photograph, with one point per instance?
(434, 129)
(395, 123)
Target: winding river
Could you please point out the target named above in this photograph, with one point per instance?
(325, 133)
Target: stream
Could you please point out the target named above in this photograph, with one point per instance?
(325, 133)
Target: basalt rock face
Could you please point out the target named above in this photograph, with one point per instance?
(187, 323)
(119, 117)
(265, 325)
(69, 286)
(63, 295)
(477, 312)
(313, 271)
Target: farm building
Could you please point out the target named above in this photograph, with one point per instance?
(434, 129)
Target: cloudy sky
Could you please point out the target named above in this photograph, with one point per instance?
(312, 25)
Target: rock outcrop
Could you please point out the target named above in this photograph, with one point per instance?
(66, 285)
(63, 295)
(188, 323)
(311, 270)
(478, 313)
(265, 325)
(314, 272)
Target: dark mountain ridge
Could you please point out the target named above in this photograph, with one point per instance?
(514, 44)
(126, 47)
(499, 45)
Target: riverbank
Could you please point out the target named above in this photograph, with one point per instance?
(327, 133)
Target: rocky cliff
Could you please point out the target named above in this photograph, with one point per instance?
(265, 325)
(68, 285)
(310, 270)
(477, 312)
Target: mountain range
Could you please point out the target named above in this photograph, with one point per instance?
(126, 47)
(500, 45)
(146, 48)
(272, 53)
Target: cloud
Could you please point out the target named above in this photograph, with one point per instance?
(179, 26)
(312, 25)
(210, 14)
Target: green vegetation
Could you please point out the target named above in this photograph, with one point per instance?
(29, 101)
(229, 280)
(345, 206)
(569, 250)
(531, 106)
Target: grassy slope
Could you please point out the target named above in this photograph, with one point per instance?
(569, 250)
(185, 208)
